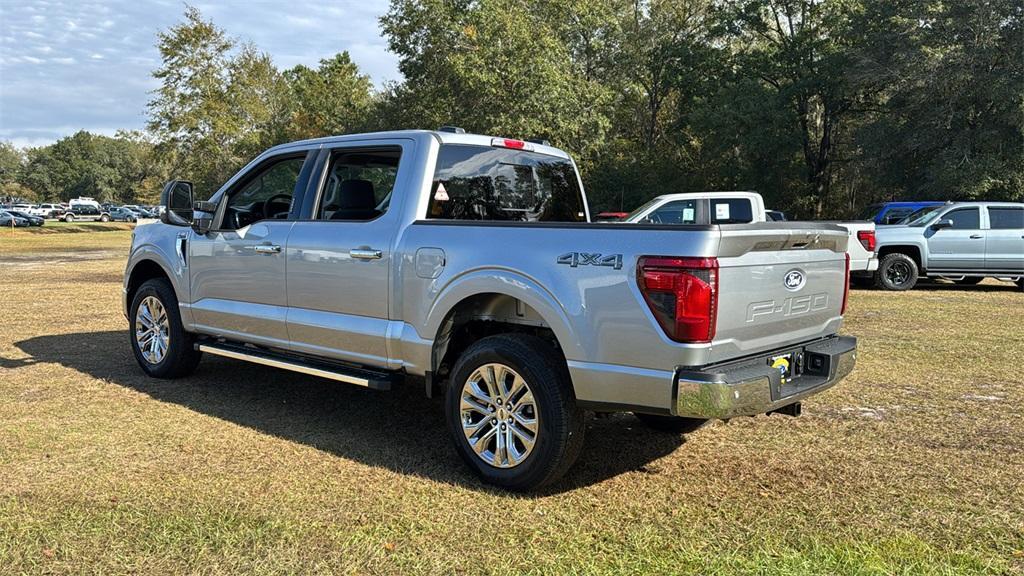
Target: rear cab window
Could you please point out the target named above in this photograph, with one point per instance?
(487, 183)
(731, 211)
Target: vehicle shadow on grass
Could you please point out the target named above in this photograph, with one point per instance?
(400, 430)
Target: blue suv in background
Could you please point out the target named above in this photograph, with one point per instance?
(893, 212)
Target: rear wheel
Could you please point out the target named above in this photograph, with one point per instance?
(104, 218)
(161, 345)
(69, 217)
(896, 271)
(512, 413)
(670, 424)
(969, 280)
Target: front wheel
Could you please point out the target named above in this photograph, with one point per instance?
(104, 218)
(511, 411)
(69, 218)
(896, 271)
(161, 345)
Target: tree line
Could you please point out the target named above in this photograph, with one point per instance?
(823, 106)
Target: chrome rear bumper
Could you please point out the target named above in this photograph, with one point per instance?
(751, 386)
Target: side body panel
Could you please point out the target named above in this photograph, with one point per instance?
(238, 291)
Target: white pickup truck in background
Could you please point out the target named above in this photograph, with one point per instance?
(743, 208)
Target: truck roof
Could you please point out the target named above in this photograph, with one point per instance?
(442, 137)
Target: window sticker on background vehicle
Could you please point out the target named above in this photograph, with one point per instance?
(722, 211)
(688, 214)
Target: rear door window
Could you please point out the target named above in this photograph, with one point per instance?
(731, 211)
(1006, 218)
(501, 184)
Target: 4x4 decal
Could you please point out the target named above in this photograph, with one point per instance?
(575, 259)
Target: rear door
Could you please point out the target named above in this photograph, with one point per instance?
(340, 252)
(961, 247)
(237, 269)
(1004, 240)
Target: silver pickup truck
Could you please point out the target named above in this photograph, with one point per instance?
(467, 264)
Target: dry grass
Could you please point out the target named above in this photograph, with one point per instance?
(913, 465)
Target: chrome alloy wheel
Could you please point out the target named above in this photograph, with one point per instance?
(152, 329)
(499, 416)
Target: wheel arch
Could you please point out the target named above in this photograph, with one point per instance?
(483, 304)
(912, 250)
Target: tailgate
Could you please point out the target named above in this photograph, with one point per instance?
(779, 284)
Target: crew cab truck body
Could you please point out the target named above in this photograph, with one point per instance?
(468, 263)
(964, 242)
(746, 207)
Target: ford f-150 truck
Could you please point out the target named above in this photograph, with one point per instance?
(468, 264)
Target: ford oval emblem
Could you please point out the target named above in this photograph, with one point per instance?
(794, 280)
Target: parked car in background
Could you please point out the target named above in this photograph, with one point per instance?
(468, 265)
(123, 215)
(85, 209)
(861, 248)
(49, 210)
(775, 215)
(964, 242)
(885, 213)
(7, 219)
(32, 220)
(610, 216)
(701, 208)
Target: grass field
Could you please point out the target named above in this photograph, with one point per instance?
(914, 465)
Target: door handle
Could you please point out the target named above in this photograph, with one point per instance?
(267, 249)
(976, 236)
(365, 253)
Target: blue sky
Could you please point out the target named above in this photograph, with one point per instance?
(67, 66)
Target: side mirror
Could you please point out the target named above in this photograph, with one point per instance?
(176, 203)
(942, 223)
(202, 216)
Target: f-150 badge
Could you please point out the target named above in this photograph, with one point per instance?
(575, 259)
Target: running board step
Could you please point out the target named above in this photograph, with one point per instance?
(346, 374)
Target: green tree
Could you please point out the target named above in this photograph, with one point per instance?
(495, 66)
(334, 98)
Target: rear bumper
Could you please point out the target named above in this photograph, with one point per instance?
(750, 386)
(864, 265)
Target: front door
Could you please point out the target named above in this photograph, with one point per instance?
(960, 247)
(238, 269)
(1004, 244)
(340, 257)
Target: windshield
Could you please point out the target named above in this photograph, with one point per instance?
(921, 217)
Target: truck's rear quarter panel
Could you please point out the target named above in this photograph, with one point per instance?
(616, 349)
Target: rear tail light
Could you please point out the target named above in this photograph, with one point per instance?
(846, 279)
(867, 239)
(682, 293)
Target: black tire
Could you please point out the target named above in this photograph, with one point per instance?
(181, 356)
(69, 217)
(896, 271)
(104, 218)
(969, 280)
(560, 422)
(670, 424)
